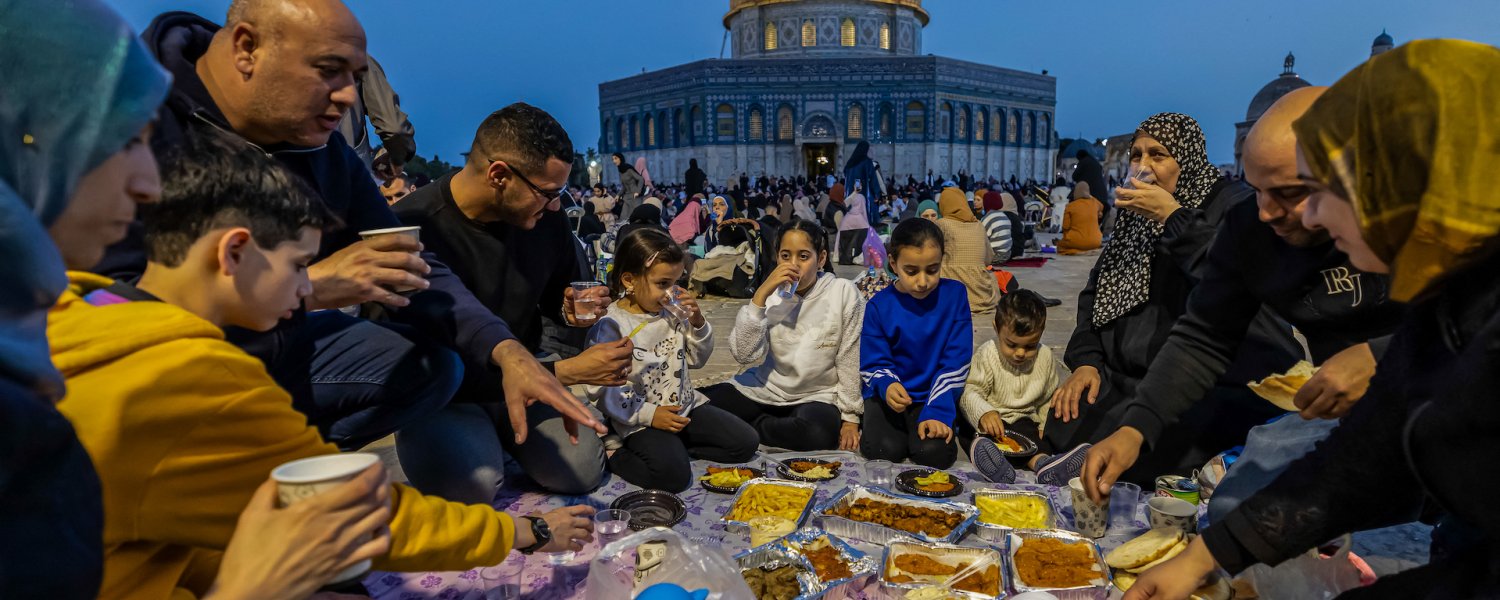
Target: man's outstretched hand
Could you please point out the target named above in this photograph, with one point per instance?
(527, 382)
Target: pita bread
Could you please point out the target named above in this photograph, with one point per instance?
(1281, 389)
(1171, 553)
(1144, 549)
(1216, 589)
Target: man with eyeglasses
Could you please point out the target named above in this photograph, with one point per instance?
(499, 224)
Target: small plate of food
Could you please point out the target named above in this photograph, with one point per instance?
(727, 480)
(809, 469)
(1015, 444)
(930, 483)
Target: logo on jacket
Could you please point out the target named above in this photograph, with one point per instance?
(1341, 280)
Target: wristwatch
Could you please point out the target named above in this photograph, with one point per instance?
(541, 532)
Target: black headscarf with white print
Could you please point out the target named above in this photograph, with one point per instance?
(1125, 266)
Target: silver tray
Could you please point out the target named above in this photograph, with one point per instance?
(777, 555)
(744, 527)
(996, 533)
(860, 564)
(1019, 537)
(941, 550)
(880, 535)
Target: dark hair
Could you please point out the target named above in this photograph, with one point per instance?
(637, 247)
(1023, 311)
(914, 233)
(523, 135)
(212, 181)
(1080, 154)
(811, 229)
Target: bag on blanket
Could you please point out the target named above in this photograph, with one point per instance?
(660, 555)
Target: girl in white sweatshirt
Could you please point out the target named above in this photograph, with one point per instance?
(803, 392)
(663, 420)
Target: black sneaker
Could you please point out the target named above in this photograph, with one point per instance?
(1057, 470)
(990, 461)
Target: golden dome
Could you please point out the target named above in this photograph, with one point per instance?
(735, 6)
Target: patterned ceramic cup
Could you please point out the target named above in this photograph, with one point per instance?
(302, 479)
(1088, 518)
(1173, 513)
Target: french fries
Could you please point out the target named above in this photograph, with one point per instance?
(764, 499)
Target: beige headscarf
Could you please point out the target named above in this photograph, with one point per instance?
(1410, 138)
(1081, 190)
(953, 205)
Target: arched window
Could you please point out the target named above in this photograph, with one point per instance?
(609, 135)
(1010, 127)
(696, 130)
(885, 131)
(650, 131)
(757, 125)
(1026, 129)
(995, 125)
(784, 125)
(622, 142)
(916, 119)
(809, 33)
(846, 32)
(945, 120)
(724, 126)
(979, 125)
(635, 133)
(663, 128)
(681, 126)
(961, 128)
(856, 129)
(1044, 131)
(770, 36)
(885, 36)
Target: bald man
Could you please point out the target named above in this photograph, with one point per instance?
(1261, 256)
(280, 74)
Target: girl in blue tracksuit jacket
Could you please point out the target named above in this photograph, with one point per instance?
(914, 354)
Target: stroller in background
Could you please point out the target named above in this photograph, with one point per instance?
(748, 273)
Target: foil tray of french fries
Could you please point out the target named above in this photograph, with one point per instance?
(791, 500)
(1001, 511)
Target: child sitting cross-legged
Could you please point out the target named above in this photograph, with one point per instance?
(1010, 388)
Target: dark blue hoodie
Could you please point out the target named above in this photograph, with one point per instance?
(447, 310)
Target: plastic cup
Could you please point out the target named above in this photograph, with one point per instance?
(414, 232)
(585, 306)
(1089, 519)
(879, 472)
(299, 480)
(1173, 513)
(611, 525)
(769, 528)
(503, 581)
(1123, 498)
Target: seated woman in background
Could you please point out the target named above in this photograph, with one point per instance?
(967, 256)
(928, 209)
(1081, 223)
(802, 392)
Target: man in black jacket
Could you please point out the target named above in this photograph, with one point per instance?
(1262, 255)
(695, 178)
(280, 75)
(497, 223)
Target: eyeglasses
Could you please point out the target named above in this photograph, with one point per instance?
(553, 197)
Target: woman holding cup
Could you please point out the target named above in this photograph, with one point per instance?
(1396, 156)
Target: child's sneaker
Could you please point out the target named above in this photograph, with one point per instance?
(1057, 470)
(990, 461)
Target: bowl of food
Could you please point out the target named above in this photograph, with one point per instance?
(809, 469)
(929, 483)
(651, 508)
(727, 480)
(788, 500)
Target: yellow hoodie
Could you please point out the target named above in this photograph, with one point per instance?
(183, 426)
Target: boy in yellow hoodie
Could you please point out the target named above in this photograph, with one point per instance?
(183, 427)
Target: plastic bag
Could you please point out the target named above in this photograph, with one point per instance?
(874, 250)
(1309, 575)
(613, 573)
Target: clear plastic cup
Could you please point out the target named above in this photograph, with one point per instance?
(1123, 499)
(611, 525)
(879, 472)
(585, 306)
(503, 581)
(672, 306)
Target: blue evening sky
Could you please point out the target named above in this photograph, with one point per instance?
(455, 61)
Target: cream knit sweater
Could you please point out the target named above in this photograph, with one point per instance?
(995, 385)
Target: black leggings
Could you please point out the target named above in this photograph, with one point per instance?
(661, 460)
(801, 427)
(850, 242)
(889, 435)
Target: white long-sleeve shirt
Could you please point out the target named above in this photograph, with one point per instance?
(665, 350)
(995, 385)
(803, 352)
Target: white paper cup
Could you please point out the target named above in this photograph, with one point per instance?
(414, 232)
(1089, 519)
(302, 479)
(1173, 513)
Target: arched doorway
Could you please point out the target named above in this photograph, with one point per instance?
(820, 146)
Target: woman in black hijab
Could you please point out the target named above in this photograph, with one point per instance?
(861, 169)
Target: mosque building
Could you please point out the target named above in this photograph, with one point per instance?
(808, 80)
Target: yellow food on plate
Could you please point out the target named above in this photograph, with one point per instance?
(727, 478)
(818, 472)
(935, 477)
(1016, 512)
(1281, 389)
(764, 499)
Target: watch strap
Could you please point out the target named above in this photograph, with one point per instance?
(540, 532)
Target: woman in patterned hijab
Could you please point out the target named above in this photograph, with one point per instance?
(1170, 153)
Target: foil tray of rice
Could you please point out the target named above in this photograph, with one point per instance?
(1001, 511)
(833, 559)
(879, 516)
(910, 565)
(774, 572)
(750, 502)
(1061, 563)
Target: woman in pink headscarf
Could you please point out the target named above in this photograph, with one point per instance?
(688, 223)
(640, 167)
(852, 229)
